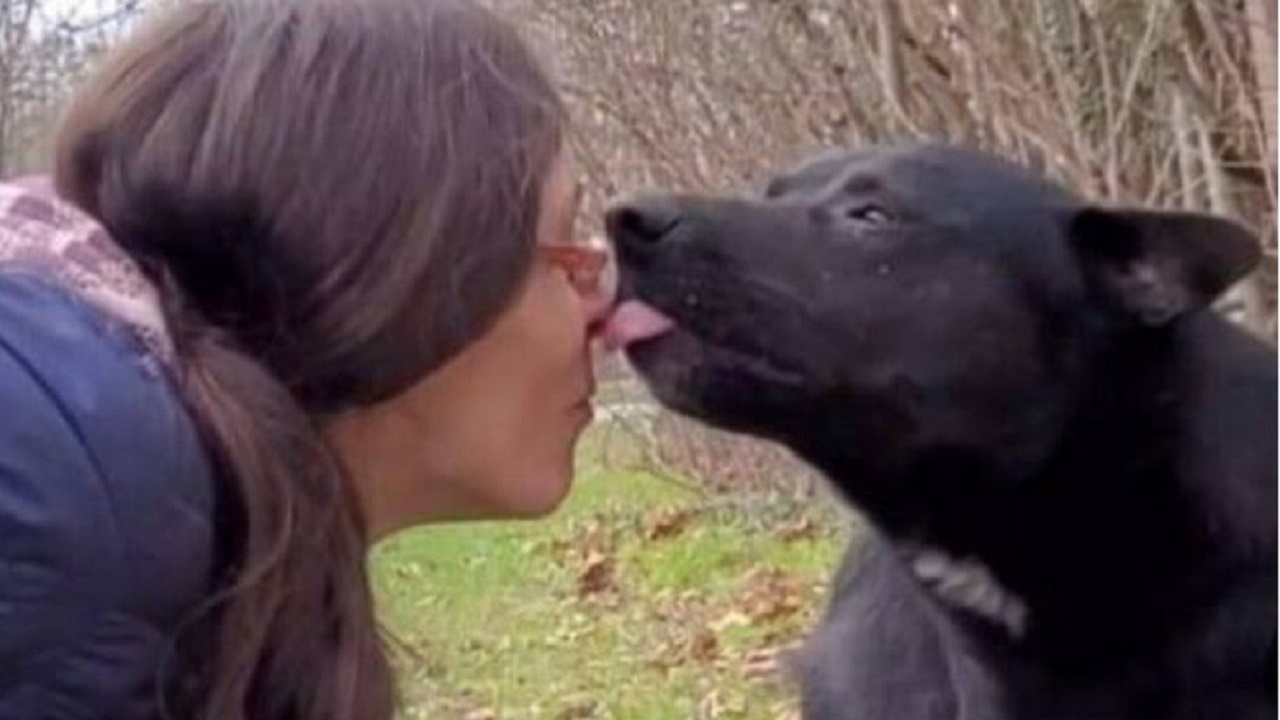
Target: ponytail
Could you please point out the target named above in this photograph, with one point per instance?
(278, 616)
(289, 628)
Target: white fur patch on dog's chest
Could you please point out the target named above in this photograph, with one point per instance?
(967, 584)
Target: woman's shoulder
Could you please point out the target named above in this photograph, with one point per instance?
(106, 501)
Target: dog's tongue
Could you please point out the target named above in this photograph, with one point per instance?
(631, 322)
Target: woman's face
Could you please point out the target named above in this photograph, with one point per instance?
(491, 433)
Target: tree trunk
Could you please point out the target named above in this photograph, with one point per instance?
(1245, 303)
(1262, 36)
(888, 42)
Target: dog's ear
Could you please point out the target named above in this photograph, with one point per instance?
(1157, 265)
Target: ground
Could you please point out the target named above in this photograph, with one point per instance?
(639, 599)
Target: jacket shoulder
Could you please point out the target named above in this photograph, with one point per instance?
(106, 507)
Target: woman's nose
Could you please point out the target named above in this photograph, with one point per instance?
(599, 294)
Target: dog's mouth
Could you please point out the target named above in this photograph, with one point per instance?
(646, 333)
(634, 321)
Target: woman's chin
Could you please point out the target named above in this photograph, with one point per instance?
(537, 494)
(550, 495)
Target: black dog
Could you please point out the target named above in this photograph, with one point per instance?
(1070, 463)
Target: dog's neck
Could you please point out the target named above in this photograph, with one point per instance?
(966, 586)
(1111, 521)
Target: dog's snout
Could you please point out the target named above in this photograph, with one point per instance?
(645, 221)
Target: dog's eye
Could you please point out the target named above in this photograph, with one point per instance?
(868, 214)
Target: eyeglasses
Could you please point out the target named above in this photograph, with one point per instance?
(584, 264)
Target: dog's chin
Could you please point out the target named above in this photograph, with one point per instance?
(721, 386)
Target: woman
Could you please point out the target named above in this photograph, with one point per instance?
(321, 290)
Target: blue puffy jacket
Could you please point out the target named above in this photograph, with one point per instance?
(106, 507)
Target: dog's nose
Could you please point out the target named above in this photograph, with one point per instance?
(645, 220)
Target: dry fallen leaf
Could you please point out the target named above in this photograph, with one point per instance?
(667, 523)
(733, 618)
(596, 575)
(704, 647)
(762, 664)
(770, 595)
(802, 528)
(579, 709)
(712, 706)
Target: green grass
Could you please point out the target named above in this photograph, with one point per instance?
(638, 599)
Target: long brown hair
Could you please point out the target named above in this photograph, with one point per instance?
(334, 196)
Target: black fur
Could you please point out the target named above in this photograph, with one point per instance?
(1069, 461)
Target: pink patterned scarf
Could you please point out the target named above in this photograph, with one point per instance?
(42, 234)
